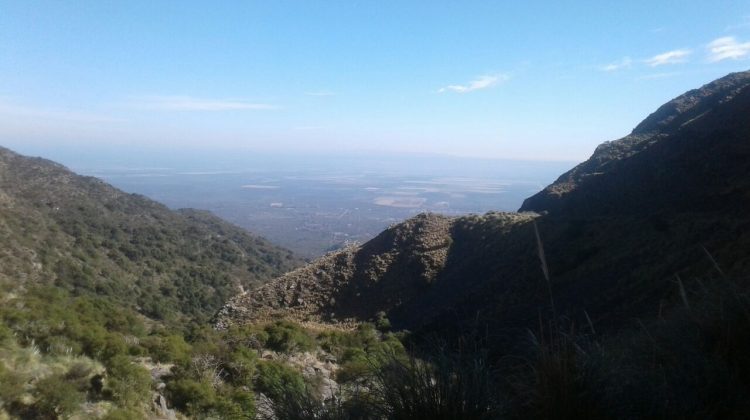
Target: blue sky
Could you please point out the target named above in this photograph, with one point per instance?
(521, 80)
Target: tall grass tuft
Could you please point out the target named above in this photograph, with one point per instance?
(449, 385)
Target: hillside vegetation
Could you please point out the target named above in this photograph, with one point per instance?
(80, 234)
(96, 285)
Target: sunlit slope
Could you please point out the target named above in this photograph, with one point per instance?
(85, 236)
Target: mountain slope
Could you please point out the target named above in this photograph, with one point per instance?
(85, 236)
(399, 272)
(692, 153)
(615, 230)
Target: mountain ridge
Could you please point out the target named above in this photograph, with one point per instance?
(697, 113)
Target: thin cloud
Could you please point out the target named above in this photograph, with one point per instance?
(669, 57)
(481, 82)
(655, 76)
(11, 109)
(320, 93)
(624, 63)
(727, 48)
(744, 24)
(189, 103)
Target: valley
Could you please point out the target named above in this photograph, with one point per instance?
(334, 203)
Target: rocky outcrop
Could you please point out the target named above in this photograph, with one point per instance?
(357, 282)
(402, 273)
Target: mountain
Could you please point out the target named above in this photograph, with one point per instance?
(82, 235)
(669, 199)
(691, 154)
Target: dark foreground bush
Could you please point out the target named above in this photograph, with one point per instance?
(55, 397)
(448, 386)
(693, 362)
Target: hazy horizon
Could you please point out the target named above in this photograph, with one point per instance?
(313, 204)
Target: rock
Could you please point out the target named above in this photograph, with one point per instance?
(264, 407)
(161, 410)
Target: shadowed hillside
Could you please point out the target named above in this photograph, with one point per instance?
(402, 272)
(689, 155)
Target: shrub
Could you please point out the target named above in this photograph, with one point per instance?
(122, 414)
(12, 386)
(55, 397)
(245, 400)
(354, 365)
(449, 386)
(382, 323)
(168, 348)
(127, 383)
(190, 396)
(557, 381)
(693, 362)
(237, 405)
(285, 336)
(276, 379)
(5, 333)
(241, 367)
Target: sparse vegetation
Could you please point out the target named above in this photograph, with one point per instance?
(690, 362)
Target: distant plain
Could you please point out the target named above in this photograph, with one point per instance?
(312, 206)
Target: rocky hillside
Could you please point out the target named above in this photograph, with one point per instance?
(407, 272)
(669, 199)
(398, 266)
(78, 233)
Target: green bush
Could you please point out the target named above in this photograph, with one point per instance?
(168, 348)
(5, 334)
(337, 342)
(122, 414)
(245, 401)
(241, 366)
(103, 346)
(56, 397)
(382, 323)
(12, 386)
(355, 364)
(285, 336)
(127, 383)
(249, 336)
(276, 379)
(237, 405)
(190, 396)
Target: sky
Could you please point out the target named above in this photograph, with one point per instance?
(538, 80)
